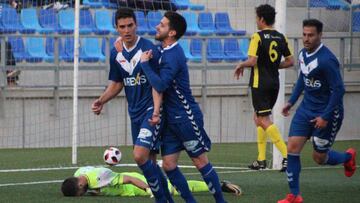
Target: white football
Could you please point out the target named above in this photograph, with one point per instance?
(112, 156)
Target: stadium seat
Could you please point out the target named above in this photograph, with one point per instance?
(86, 23)
(232, 50)
(109, 4)
(206, 24)
(318, 3)
(67, 53)
(184, 43)
(103, 22)
(103, 45)
(192, 23)
(18, 48)
(215, 50)
(10, 22)
(93, 3)
(244, 46)
(48, 20)
(66, 21)
(142, 25)
(337, 4)
(50, 47)
(223, 26)
(35, 47)
(153, 19)
(196, 50)
(185, 4)
(90, 50)
(29, 20)
(356, 21)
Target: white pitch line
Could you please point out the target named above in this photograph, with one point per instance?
(31, 183)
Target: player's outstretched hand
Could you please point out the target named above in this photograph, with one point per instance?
(154, 120)
(239, 71)
(118, 44)
(285, 111)
(146, 56)
(97, 106)
(319, 122)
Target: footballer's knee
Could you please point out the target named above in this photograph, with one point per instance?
(263, 121)
(169, 165)
(200, 161)
(319, 158)
(140, 155)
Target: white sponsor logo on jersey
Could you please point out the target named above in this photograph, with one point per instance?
(133, 81)
(312, 83)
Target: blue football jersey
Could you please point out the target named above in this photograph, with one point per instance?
(173, 80)
(125, 67)
(321, 81)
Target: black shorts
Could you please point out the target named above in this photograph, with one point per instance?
(263, 100)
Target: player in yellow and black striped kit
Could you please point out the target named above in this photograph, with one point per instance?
(267, 47)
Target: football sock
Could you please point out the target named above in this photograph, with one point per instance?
(293, 173)
(164, 183)
(335, 158)
(273, 132)
(261, 143)
(178, 180)
(212, 180)
(151, 174)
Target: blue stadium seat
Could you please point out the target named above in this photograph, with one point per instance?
(103, 22)
(67, 53)
(86, 23)
(356, 21)
(185, 4)
(35, 47)
(109, 4)
(206, 24)
(90, 50)
(66, 21)
(18, 48)
(153, 19)
(232, 50)
(29, 20)
(244, 46)
(215, 50)
(196, 50)
(10, 22)
(103, 45)
(48, 20)
(223, 26)
(93, 3)
(50, 47)
(192, 23)
(337, 4)
(318, 3)
(142, 25)
(184, 43)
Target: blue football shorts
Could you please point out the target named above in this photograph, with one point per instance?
(322, 139)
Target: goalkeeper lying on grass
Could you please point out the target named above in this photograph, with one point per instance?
(103, 181)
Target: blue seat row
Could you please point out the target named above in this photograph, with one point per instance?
(103, 23)
(356, 21)
(231, 51)
(40, 49)
(186, 4)
(329, 4)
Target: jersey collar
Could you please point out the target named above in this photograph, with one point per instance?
(308, 55)
(170, 46)
(133, 47)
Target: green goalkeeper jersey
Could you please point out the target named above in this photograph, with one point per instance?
(110, 183)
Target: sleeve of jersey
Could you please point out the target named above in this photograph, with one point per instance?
(254, 45)
(299, 87)
(167, 74)
(114, 74)
(287, 51)
(337, 89)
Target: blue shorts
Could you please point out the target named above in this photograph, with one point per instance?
(322, 139)
(145, 135)
(189, 135)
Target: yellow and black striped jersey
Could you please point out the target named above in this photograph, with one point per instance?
(268, 46)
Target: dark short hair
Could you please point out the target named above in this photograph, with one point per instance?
(70, 187)
(176, 22)
(313, 23)
(124, 13)
(266, 12)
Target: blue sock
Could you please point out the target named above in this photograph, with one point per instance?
(293, 173)
(151, 174)
(212, 180)
(335, 158)
(165, 185)
(178, 180)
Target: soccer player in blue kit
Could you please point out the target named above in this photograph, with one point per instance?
(126, 72)
(321, 111)
(184, 128)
